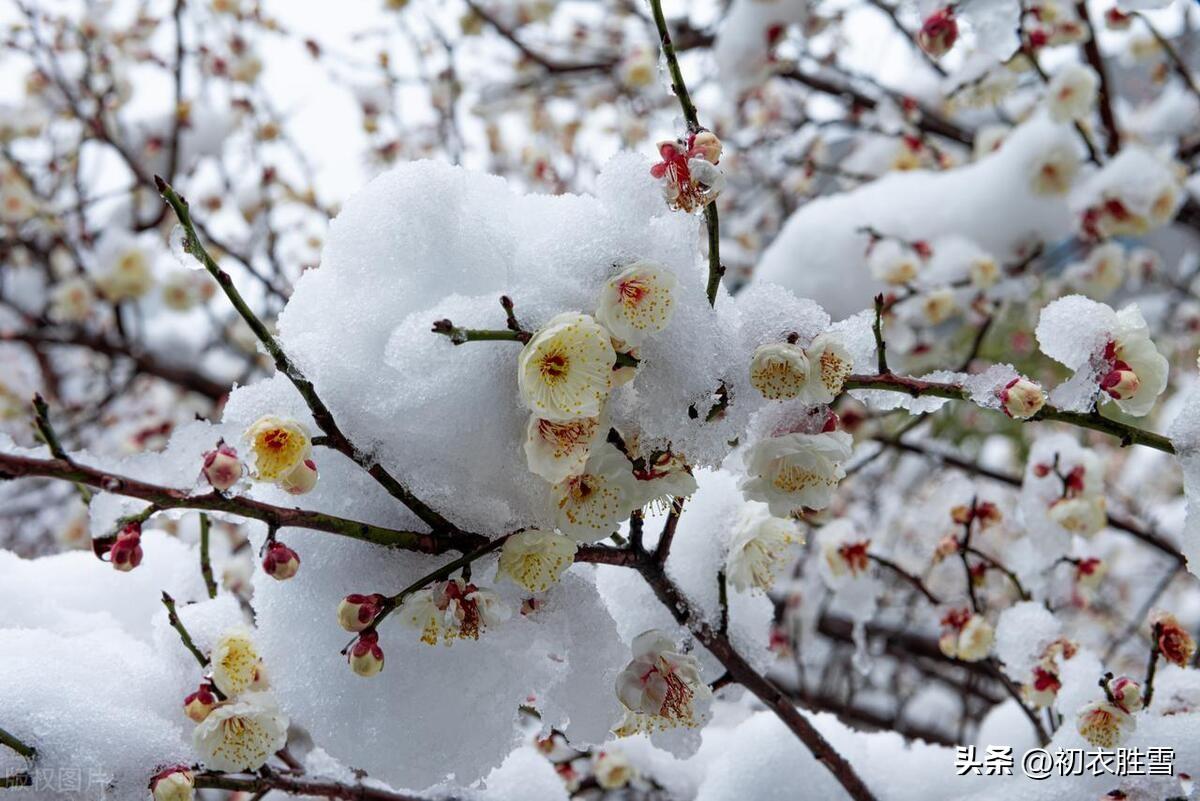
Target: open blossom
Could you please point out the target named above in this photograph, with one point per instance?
(759, 548)
(779, 370)
(590, 506)
(125, 272)
(966, 636)
(221, 468)
(1173, 640)
(892, 263)
(241, 735)
(612, 769)
(938, 32)
(638, 69)
(356, 612)
(565, 370)
(173, 784)
(300, 479)
(1021, 398)
(1090, 572)
(830, 366)
(662, 683)
(794, 472)
(1054, 170)
(555, 450)
(1136, 372)
(1104, 724)
(536, 559)
(277, 446)
(366, 657)
(688, 172)
(1072, 93)
(453, 609)
(1083, 515)
(71, 301)
(1043, 687)
(235, 662)
(637, 302)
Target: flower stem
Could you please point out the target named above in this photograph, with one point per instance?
(205, 563)
(29, 752)
(177, 624)
(1152, 667)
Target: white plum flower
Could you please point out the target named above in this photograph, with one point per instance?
(638, 69)
(794, 472)
(454, 609)
(277, 446)
(1083, 515)
(637, 302)
(612, 769)
(590, 506)
(779, 370)
(662, 477)
(1054, 170)
(235, 662)
(830, 365)
(1104, 724)
(892, 263)
(241, 735)
(662, 685)
(71, 301)
(759, 548)
(1072, 92)
(555, 450)
(565, 370)
(965, 635)
(1101, 274)
(124, 268)
(536, 559)
(1137, 372)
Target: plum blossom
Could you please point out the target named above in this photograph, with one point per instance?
(1054, 170)
(1126, 693)
(1041, 690)
(454, 609)
(536, 559)
(235, 662)
(124, 268)
(71, 300)
(1072, 92)
(844, 551)
(197, 705)
(590, 506)
(688, 172)
(556, 450)
(300, 479)
(221, 467)
(173, 784)
(779, 370)
(365, 656)
(565, 370)
(1137, 372)
(1172, 640)
(637, 302)
(356, 612)
(1021, 398)
(1104, 724)
(938, 32)
(241, 735)
(759, 548)
(277, 447)
(893, 263)
(662, 686)
(794, 472)
(126, 552)
(966, 635)
(1102, 273)
(280, 562)
(830, 364)
(612, 769)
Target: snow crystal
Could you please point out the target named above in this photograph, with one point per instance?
(1072, 329)
(1022, 633)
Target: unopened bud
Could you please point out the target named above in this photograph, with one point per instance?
(197, 705)
(707, 146)
(938, 33)
(280, 561)
(126, 552)
(301, 479)
(1121, 383)
(1127, 693)
(222, 469)
(1117, 20)
(1022, 398)
(173, 784)
(366, 657)
(356, 612)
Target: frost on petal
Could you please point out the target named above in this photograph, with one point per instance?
(565, 370)
(637, 302)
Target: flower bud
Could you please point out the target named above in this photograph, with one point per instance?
(280, 561)
(222, 469)
(1022, 398)
(366, 657)
(301, 479)
(1117, 20)
(173, 784)
(1173, 641)
(197, 705)
(1121, 383)
(126, 552)
(356, 612)
(707, 146)
(1090, 572)
(1127, 693)
(938, 32)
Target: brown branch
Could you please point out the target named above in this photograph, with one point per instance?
(298, 786)
(1091, 51)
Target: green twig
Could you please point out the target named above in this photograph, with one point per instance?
(177, 624)
(27, 751)
(46, 432)
(205, 563)
(1152, 667)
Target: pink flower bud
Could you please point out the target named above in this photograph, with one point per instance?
(1117, 20)
(221, 467)
(705, 145)
(356, 612)
(366, 657)
(280, 561)
(1121, 383)
(938, 33)
(197, 705)
(1127, 693)
(126, 552)
(175, 783)
(1022, 398)
(301, 479)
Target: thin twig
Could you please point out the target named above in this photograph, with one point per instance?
(27, 751)
(206, 570)
(177, 624)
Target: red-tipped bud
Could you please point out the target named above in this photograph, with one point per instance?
(301, 479)
(175, 783)
(356, 612)
(938, 33)
(280, 561)
(366, 657)
(1022, 398)
(126, 552)
(1121, 383)
(222, 469)
(197, 705)
(1127, 693)
(1117, 20)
